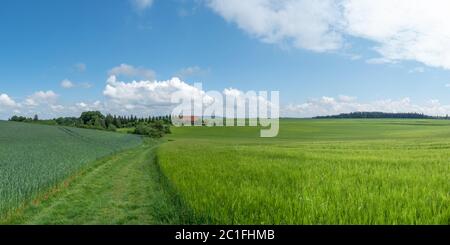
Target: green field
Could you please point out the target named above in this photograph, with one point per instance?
(123, 188)
(35, 158)
(315, 172)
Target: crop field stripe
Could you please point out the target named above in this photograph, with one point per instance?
(124, 188)
(35, 158)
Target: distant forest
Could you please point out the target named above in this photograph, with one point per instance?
(153, 126)
(382, 115)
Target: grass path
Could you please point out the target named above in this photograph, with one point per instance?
(125, 188)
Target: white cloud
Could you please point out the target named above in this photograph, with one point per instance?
(142, 98)
(57, 108)
(146, 92)
(331, 106)
(141, 5)
(145, 96)
(85, 106)
(155, 97)
(66, 83)
(6, 102)
(303, 24)
(41, 97)
(43, 103)
(244, 100)
(414, 30)
(403, 29)
(346, 98)
(131, 71)
(191, 71)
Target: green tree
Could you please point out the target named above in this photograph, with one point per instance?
(117, 122)
(90, 117)
(109, 120)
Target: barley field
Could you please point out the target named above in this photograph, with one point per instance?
(315, 172)
(34, 158)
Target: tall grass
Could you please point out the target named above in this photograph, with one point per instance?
(315, 172)
(34, 158)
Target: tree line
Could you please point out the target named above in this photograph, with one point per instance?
(153, 126)
(357, 115)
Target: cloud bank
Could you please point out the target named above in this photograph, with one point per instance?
(144, 98)
(346, 104)
(147, 93)
(413, 30)
(41, 102)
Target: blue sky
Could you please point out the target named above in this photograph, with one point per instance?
(223, 44)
